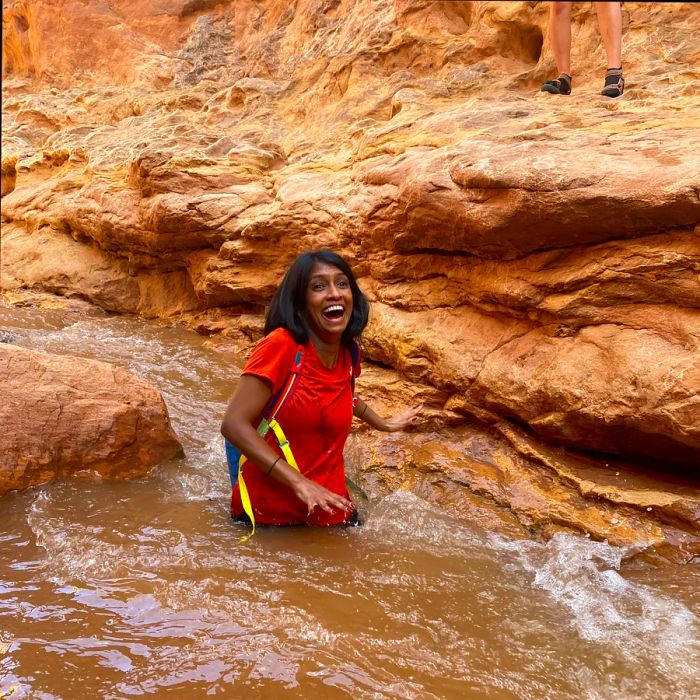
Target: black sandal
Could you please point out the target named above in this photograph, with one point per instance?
(558, 86)
(614, 83)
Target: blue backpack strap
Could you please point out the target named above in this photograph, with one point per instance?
(233, 456)
(355, 354)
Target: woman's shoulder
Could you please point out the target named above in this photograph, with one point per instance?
(272, 357)
(280, 336)
(277, 342)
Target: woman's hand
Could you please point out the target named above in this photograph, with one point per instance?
(316, 496)
(402, 420)
(388, 425)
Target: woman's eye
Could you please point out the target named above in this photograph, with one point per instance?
(343, 284)
(317, 287)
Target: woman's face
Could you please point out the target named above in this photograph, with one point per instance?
(328, 301)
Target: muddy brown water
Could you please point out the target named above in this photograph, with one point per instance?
(142, 588)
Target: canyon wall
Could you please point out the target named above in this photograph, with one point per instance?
(533, 260)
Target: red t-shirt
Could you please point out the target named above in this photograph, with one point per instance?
(316, 421)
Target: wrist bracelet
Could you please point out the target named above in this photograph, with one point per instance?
(273, 465)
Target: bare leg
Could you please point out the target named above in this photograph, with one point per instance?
(610, 24)
(560, 33)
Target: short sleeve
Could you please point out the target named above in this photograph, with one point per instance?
(272, 358)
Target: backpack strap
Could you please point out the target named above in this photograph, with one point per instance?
(278, 401)
(267, 422)
(355, 354)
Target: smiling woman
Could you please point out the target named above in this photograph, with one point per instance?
(301, 376)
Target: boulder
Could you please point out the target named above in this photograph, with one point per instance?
(66, 416)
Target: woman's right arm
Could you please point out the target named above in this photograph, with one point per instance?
(246, 404)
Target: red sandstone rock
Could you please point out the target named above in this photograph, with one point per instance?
(57, 263)
(530, 257)
(64, 416)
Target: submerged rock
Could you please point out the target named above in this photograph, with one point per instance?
(506, 480)
(66, 416)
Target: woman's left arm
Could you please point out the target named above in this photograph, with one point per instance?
(388, 425)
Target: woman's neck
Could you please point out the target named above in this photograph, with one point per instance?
(326, 349)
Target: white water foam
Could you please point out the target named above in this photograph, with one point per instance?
(413, 522)
(643, 625)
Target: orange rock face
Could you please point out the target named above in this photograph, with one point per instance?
(531, 258)
(65, 416)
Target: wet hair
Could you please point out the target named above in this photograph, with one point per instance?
(288, 305)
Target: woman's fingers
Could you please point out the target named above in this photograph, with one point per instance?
(331, 504)
(403, 420)
(412, 412)
(320, 497)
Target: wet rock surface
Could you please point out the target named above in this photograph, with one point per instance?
(66, 416)
(506, 479)
(533, 260)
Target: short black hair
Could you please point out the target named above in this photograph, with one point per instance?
(289, 301)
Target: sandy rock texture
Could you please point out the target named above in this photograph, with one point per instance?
(533, 260)
(68, 416)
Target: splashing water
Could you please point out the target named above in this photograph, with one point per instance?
(120, 589)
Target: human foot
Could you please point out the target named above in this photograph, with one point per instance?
(614, 83)
(558, 86)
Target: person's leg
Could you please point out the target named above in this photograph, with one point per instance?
(610, 24)
(560, 36)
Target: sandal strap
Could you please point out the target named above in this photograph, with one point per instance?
(557, 82)
(613, 78)
(613, 81)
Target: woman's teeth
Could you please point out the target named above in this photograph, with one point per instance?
(333, 312)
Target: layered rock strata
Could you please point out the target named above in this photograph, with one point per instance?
(533, 260)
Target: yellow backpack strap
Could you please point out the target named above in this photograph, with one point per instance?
(283, 443)
(245, 498)
(263, 429)
(243, 489)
